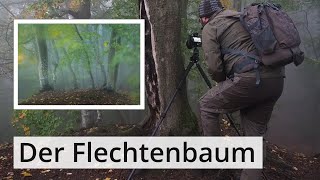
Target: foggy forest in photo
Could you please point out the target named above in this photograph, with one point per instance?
(78, 64)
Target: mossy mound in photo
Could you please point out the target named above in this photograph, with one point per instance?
(80, 97)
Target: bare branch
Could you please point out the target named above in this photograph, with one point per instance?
(6, 63)
(7, 9)
(5, 59)
(9, 44)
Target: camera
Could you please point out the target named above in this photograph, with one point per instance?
(193, 41)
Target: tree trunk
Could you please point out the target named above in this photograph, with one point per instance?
(43, 58)
(100, 56)
(151, 80)
(237, 5)
(74, 76)
(163, 19)
(83, 12)
(116, 70)
(104, 73)
(55, 63)
(87, 56)
(112, 51)
(87, 119)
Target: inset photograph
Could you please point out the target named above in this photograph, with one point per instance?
(79, 64)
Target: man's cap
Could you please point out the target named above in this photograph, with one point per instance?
(209, 7)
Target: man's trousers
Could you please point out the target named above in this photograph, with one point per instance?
(255, 103)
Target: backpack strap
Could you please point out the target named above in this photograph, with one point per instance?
(250, 62)
(241, 53)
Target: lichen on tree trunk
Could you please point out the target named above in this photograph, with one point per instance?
(41, 46)
(164, 18)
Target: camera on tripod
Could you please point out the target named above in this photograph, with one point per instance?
(193, 41)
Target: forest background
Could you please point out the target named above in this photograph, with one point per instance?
(179, 18)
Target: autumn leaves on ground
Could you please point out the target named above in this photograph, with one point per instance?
(80, 97)
(280, 164)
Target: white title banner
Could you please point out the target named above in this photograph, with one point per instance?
(138, 152)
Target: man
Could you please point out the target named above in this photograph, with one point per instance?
(243, 83)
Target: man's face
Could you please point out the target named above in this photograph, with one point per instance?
(203, 21)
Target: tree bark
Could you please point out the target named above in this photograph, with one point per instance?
(151, 79)
(55, 63)
(116, 70)
(43, 58)
(100, 56)
(87, 119)
(164, 24)
(112, 52)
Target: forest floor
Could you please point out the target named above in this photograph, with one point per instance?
(280, 164)
(79, 97)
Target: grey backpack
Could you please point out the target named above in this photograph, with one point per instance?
(273, 33)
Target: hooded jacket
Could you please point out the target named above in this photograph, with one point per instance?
(223, 31)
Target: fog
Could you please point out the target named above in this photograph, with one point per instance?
(64, 57)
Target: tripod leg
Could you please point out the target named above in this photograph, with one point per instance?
(204, 76)
(163, 115)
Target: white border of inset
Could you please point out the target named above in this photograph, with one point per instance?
(81, 21)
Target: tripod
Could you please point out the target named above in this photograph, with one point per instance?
(194, 60)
